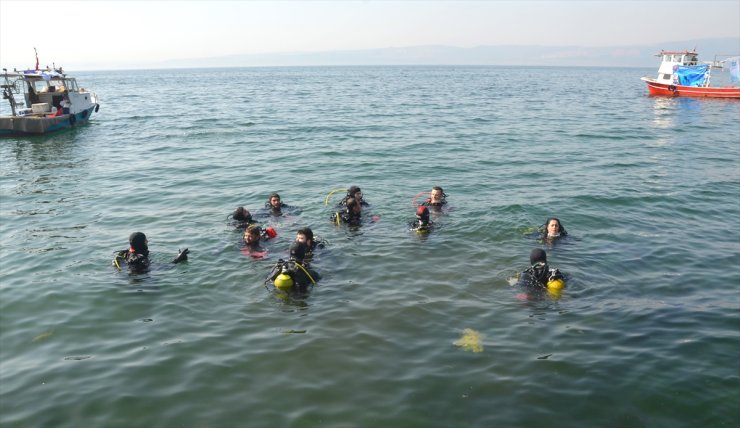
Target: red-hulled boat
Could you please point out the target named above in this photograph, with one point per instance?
(681, 75)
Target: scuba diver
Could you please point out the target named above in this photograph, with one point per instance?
(539, 275)
(305, 236)
(137, 256)
(355, 193)
(437, 198)
(553, 229)
(252, 237)
(422, 224)
(350, 213)
(275, 205)
(293, 274)
(241, 218)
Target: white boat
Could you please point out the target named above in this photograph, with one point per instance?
(43, 101)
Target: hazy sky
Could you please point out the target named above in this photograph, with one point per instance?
(79, 33)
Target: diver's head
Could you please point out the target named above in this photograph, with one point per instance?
(437, 196)
(241, 214)
(540, 271)
(252, 235)
(304, 235)
(553, 227)
(422, 214)
(355, 192)
(298, 252)
(275, 201)
(538, 255)
(139, 243)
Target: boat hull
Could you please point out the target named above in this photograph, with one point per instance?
(662, 89)
(11, 126)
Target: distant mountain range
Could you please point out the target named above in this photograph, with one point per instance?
(612, 56)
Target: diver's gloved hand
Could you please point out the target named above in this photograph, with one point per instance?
(181, 256)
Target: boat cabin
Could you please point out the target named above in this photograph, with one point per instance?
(52, 92)
(44, 92)
(671, 60)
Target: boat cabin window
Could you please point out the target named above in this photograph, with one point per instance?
(667, 76)
(54, 85)
(38, 85)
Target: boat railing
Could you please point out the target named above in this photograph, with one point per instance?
(10, 89)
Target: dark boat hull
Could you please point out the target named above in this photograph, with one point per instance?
(34, 125)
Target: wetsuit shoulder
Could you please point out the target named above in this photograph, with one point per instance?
(534, 277)
(304, 275)
(136, 259)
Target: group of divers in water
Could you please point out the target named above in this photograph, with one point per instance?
(296, 273)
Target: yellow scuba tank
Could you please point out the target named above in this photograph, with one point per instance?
(283, 281)
(555, 287)
(555, 284)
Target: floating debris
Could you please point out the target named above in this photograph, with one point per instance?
(43, 336)
(470, 341)
(78, 357)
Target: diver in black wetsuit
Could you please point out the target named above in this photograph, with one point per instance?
(350, 213)
(355, 193)
(296, 267)
(553, 229)
(437, 198)
(137, 256)
(305, 236)
(241, 218)
(539, 273)
(423, 223)
(275, 205)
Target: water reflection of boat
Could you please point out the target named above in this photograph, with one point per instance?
(681, 75)
(51, 101)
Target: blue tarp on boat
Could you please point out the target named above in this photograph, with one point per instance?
(692, 75)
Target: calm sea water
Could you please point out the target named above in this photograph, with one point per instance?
(645, 335)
